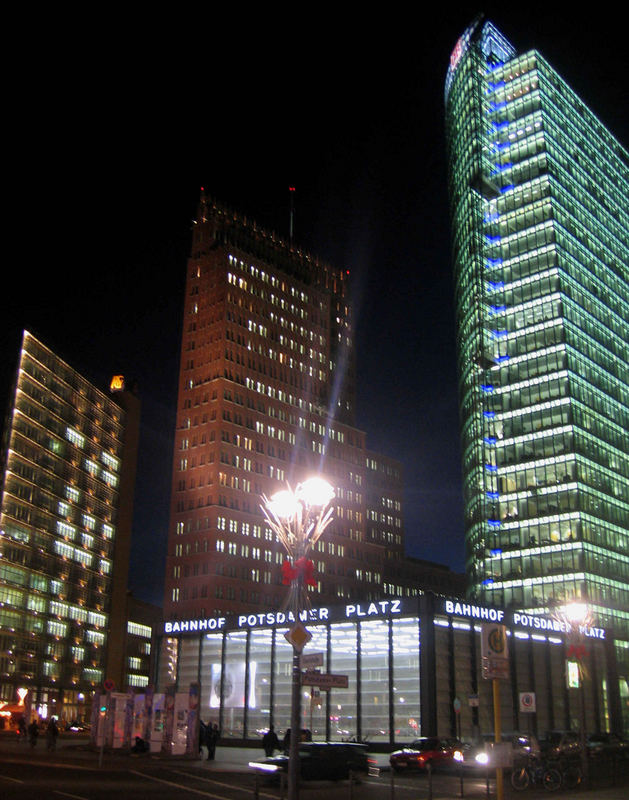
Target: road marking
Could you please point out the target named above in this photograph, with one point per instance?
(218, 783)
(65, 794)
(6, 778)
(180, 786)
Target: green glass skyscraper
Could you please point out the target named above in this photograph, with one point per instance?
(539, 213)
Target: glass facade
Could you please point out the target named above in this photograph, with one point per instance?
(61, 472)
(539, 212)
(404, 670)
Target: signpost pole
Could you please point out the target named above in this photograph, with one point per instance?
(498, 736)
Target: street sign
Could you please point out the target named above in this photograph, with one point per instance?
(473, 701)
(494, 652)
(457, 705)
(324, 680)
(298, 636)
(527, 702)
(309, 660)
(108, 685)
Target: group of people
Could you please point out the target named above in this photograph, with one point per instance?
(32, 732)
(271, 743)
(208, 737)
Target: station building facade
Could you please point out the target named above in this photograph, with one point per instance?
(406, 661)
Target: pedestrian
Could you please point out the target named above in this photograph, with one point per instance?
(212, 738)
(21, 728)
(33, 733)
(270, 742)
(286, 742)
(203, 729)
(52, 731)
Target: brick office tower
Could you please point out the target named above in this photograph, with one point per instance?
(266, 397)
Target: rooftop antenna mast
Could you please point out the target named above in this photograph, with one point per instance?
(291, 221)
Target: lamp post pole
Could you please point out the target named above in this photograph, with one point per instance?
(577, 615)
(298, 518)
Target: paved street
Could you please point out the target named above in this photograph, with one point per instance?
(73, 772)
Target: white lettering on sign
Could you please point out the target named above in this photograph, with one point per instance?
(474, 612)
(191, 625)
(378, 607)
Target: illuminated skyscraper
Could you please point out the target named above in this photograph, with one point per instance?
(68, 476)
(539, 192)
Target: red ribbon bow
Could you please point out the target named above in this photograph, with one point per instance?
(303, 568)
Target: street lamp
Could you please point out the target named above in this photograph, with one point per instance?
(298, 517)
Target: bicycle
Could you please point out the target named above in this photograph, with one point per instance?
(535, 773)
(571, 774)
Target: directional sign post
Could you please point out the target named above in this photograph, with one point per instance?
(324, 680)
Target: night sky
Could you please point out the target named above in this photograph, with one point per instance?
(114, 130)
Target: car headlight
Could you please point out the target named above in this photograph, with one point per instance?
(457, 755)
(482, 758)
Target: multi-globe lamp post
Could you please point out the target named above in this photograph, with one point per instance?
(298, 517)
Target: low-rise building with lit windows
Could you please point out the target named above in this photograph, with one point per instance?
(143, 626)
(68, 475)
(406, 662)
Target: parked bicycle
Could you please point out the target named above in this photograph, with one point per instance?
(535, 772)
(571, 774)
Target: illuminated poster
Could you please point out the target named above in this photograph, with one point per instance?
(233, 685)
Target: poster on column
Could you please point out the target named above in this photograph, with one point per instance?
(180, 724)
(117, 719)
(139, 709)
(192, 744)
(156, 734)
(148, 714)
(169, 718)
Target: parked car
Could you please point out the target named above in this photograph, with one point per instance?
(560, 744)
(523, 746)
(607, 744)
(428, 750)
(321, 761)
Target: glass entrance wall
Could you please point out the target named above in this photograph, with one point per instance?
(234, 685)
(282, 671)
(374, 684)
(260, 677)
(406, 708)
(314, 699)
(211, 656)
(404, 672)
(343, 711)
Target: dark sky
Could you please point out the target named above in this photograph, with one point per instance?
(115, 128)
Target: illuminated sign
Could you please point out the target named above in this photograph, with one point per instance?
(519, 619)
(378, 608)
(117, 383)
(474, 612)
(572, 675)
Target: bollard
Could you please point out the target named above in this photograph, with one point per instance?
(429, 769)
(392, 784)
(256, 787)
(487, 781)
(461, 778)
(282, 785)
(351, 785)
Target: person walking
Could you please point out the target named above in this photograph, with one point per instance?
(33, 733)
(52, 731)
(270, 742)
(212, 739)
